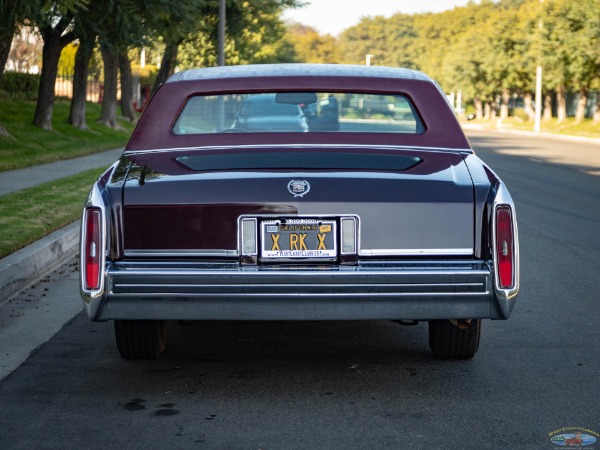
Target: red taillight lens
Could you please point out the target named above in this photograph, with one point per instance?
(505, 247)
(92, 249)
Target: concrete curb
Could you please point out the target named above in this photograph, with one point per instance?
(30, 264)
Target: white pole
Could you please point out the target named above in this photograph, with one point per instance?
(368, 59)
(221, 62)
(221, 34)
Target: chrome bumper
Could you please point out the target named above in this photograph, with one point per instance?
(228, 291)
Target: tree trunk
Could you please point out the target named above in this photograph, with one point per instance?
(126, 87)
(45, 101)
(561, 100)
(597, 112)
(108, 113)
(580, 113)
(9, 24)
(529, 110)
(488, 111)
(504, 104)
(4, 134)
(54, 41)
(478, 108)
(167, 66)
(80, 76)
(4, 51)
(494, 110)
(547, 107)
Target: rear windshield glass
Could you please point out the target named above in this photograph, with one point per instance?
(298, 112)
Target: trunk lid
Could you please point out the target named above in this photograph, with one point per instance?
(409, 202)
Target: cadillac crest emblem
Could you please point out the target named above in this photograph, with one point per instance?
(298, 188)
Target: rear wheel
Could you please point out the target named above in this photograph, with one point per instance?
(141, 339)
(449, 341)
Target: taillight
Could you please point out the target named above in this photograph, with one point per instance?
(92, 249)
(505, 252)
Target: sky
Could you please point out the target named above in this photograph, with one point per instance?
(334, 16)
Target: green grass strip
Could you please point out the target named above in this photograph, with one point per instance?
(31, 214)
(568, 127)
(31, 146)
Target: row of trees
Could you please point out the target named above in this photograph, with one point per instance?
(255, 33)
(488, 50)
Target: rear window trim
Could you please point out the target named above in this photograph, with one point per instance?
(421, 125)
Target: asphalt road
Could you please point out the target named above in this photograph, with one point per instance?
(346, 384)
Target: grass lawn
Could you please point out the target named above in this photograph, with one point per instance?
(33, 146)
(30, 214)
(568, 127)
(587, 128)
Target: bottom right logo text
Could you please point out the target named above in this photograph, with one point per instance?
(574, 437)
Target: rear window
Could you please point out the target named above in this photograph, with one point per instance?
(302, 112)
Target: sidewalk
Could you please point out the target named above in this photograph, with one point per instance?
(28, 265)
(15, 180)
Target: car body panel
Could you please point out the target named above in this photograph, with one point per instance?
(431, 204)
(182, 214)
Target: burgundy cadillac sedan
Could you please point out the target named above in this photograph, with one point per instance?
(299, 192)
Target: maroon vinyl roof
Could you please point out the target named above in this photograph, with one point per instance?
(442, 129)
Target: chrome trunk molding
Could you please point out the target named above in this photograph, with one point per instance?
(299, 146)
(417, 252)
(168, 254)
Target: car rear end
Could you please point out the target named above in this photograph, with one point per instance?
(335, 229)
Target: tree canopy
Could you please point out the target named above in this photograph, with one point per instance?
(488, 50)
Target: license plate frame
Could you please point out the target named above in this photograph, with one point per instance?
(305, 238)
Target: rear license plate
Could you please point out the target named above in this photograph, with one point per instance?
(299, 238)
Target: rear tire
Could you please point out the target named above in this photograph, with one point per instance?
(141, 339)
(447, 341)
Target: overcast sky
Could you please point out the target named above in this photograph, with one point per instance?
(333, 16)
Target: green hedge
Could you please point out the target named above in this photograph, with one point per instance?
(19, 85)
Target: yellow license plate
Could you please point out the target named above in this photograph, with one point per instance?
(299, 238)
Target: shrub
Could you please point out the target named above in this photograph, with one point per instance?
(20, 85)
